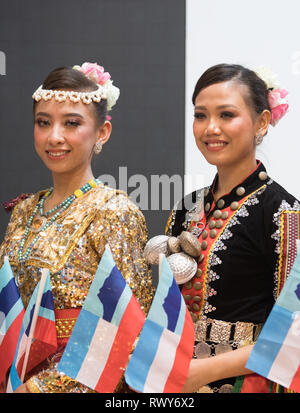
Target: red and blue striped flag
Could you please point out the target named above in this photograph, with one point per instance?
(104, 333)
(276, 354)
(38, 334)
(161, 359)
(11, 317)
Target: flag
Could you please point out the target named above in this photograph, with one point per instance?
(161, 359)
(11, 316)
(105, 330)
(37, 339)
(276, 354)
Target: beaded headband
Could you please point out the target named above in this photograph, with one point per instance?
(105, 88)
(74, 96)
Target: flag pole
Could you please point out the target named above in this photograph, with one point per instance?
(160, 261)
(34, 319)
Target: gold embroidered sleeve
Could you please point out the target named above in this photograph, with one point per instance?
(124, 229)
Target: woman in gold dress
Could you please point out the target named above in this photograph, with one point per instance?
(65, 228)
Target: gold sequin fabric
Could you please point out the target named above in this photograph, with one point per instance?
(72, 246)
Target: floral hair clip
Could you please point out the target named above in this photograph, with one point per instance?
(277, 96)
(96, 73)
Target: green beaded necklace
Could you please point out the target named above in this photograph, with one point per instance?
(46, 224)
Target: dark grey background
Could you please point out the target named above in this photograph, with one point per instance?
(140, 42)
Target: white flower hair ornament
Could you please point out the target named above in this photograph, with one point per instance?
(105, 88)
(277, 96)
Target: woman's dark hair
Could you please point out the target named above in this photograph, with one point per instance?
(66, 78)
(258, 92)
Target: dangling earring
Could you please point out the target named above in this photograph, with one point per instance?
(98, 147)
(258, 139)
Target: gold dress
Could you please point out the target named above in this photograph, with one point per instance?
(71, 249)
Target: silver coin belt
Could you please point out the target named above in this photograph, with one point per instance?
(213, 337)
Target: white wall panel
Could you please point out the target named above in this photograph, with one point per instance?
(252, 33)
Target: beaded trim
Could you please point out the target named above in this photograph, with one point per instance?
(74, 96)
(218, 245)
(71, 245)
(170, 222)
(64, 327)
(290, 232)
(284, 207)
(43, 223)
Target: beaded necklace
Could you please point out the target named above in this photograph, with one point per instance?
(42, 223)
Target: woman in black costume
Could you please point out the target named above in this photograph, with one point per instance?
(239, 222)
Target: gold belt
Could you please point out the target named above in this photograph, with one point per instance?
(219, 331)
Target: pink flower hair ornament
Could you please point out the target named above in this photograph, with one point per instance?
(278, 103)
(94, 72)
(97, 75)
(277, 96)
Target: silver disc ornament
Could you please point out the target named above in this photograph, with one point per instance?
(183, 267)
(190, 244)
(155, 246)
(174, 245)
